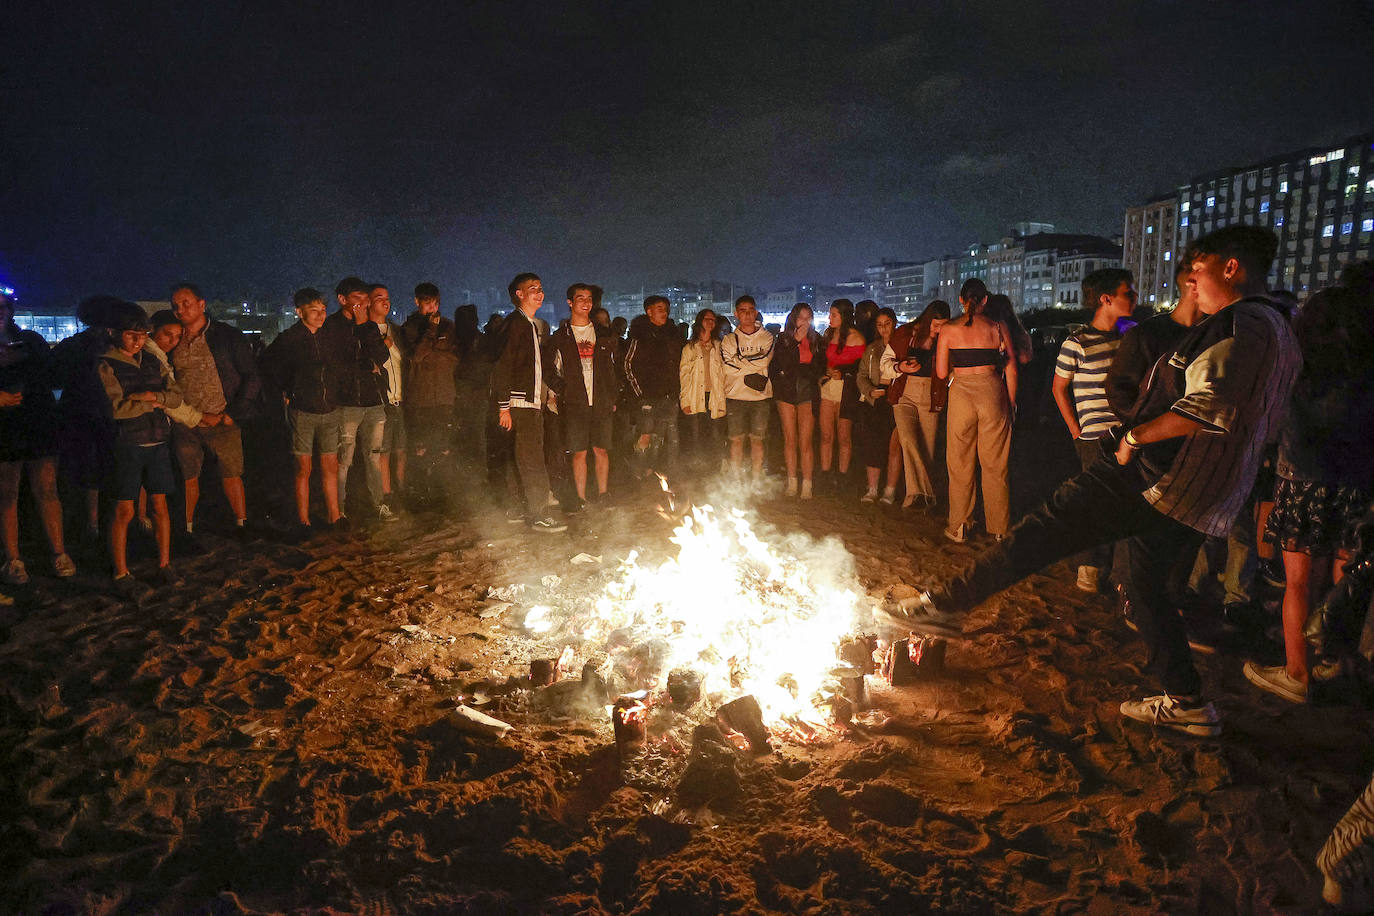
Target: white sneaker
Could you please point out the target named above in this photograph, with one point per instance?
(791, 487)
(870, 495)
(806, 489)
(1165, 711)
(63, 566)
(1087, 579)
(1277, 681)
(14, 573)
(385, 514)
(957, 535)
(889, 496)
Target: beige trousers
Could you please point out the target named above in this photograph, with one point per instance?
(979, 430)
(916, 430)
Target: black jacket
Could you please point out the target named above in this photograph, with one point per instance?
(362, 382)
(432, 361)
(303, 368)
(568, 383)
(653, 359)
(513, 375)
(789, 373)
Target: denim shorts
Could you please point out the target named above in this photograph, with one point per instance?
(747, 418)
(313, 430)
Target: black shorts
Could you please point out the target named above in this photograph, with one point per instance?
(147, 467)
(585, 427)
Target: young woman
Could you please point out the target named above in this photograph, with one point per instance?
(920, 402)
(1325, 469)
(844, 347)
(796, 370)
(28, 441)
(877, 433)
(702, 393)
(982, 358)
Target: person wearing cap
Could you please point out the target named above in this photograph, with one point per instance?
(141, 390)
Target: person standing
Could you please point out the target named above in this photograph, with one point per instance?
(586, 388)
(518, 385)
(918, 400)
(1183, 469)
(391, 457)
(302, 366)
(28, 443)
(359, 389)
(702, 391)
(877, 434)
(1080, 385)
(839, 402)
(434, 356)
(746, 353)
(796, 371)
(218, 376)
(982, 398)
(652, 368)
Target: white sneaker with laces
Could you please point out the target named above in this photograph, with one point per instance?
(385, 514)
(870, 495)
(1277, 681)
(63, 566)
(957, 535)
(1191, 717)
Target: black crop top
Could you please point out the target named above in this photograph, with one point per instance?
(972, 357)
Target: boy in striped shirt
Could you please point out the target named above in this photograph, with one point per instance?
(1080, 385)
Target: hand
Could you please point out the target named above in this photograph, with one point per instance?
(909, 366)
(687, 411)
(150, 396)
(11, 398)
(434, 319)
(1124, 452)
(503, 418)
(226, 420)
(210, 419)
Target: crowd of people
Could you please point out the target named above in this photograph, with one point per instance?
(1227, 442)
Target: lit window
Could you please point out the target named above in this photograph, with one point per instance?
(1350, 190)
(1369, 186)
(1264, 206)
(1183, 222)
(1278, 220)
(1328, 230)
(1168, 255)
(1186, 205)
(1353, 170)
(1347, 228)
(1367, 226)
(1149, 230)
(1283, 186)
(1211, 201)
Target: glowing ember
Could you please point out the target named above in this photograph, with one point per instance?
(749, 616)
(538, 619)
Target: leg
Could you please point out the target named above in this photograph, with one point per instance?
(529, 459)
(845, 429)
(603, 470)
(960, 449)
(904, 414)
(894, 459)
(233, 492)
(162, 528)
(1304, 577)
(192, 497)
(43, 483)
(579, 472)
(10, 472)
(830, 412)
(330, 472)
(349, 420)
(1150, 553)
(787, 417)
(737, 452)
(756, 454)
(302, 488)
(994, 448)
(370, 433)
(806, 448)
(384, 465)
(119, 537)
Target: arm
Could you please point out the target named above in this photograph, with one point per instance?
(1129, 366)
(124, 406)
(629, 367)
(1012, 370)
(686, 369)
(246, 399)
(942, 355)
(1216, 380)
(865, 376)
(1064, 369)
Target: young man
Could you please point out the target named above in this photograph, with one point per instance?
(140, 389)
(518, 385)
(431, 344)
(746, 352)
(651, 369)
(361, 355)
(584, 382)
(218, 375)
(1182, 470)
(1080, 385)
(301, 364)
(392, 456)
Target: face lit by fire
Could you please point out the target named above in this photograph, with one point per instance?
(312, 315)
(529, 296)
(747, 317)
(657, 312)
(884, 325)
(167, 336)
(379, 304)
(580, 307)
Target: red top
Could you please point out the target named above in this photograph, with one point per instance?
(844, 356)
(804, 346)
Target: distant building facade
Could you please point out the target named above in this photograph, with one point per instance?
(1149, 245)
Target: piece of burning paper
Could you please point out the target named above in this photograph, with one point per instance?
(538, 619)
(585, 558)
(477, 723)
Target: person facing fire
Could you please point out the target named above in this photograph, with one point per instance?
(747, 352)
(583, 379)
(652, 361)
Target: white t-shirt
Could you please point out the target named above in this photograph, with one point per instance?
(585, 335)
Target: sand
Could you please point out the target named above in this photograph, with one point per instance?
(277, 735)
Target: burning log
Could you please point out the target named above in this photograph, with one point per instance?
(629, 716)
(852, 686)
(543, 671)
(745, 717)
(684, 687)
(858, 653)
(913, 659)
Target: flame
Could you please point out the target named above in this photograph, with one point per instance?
(748, 617)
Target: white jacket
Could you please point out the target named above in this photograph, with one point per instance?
(693, 370)
(747, 354)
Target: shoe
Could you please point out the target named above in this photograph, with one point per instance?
(548, 524)
(575, 505)
(145, 524)
(14, 573)
(385, 514)
(1180, 714)
(63, 566)
(957, 535)
(920, 615)
(340, 524)
(166, 577)
(1271, 571)
(806, 489)
(515, 516)
(870, 495)
(791, 487)
(126, 586)
(1277, 681)
(187, 544)
(889, 496)
(1087, 579)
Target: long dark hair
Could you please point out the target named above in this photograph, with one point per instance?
(790, 326)
(938, 309)
(1335, 331)
(696, 325)
(841, 334)
(998, 308)
(865, 315)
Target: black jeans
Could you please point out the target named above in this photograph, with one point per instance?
(527, 426)
(1101, 505)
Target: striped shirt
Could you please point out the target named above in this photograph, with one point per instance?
(1238, 369)
(1084, 359)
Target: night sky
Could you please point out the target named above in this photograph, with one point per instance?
(258, 148)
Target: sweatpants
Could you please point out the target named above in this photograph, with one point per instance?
(979, 431)
(917, 426)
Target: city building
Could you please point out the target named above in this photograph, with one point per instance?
(1074, 262)
(974, 263)
(1148, 249)
(898, 285)
(1006, 269)
(1320, 203)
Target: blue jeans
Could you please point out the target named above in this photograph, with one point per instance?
(657, 419)
(367, 424)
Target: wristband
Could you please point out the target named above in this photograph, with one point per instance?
(1131, 442)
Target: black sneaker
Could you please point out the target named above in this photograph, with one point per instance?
(548, 525)
(340, 524)
(126, 586)
(166, 577)
(187, 544)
